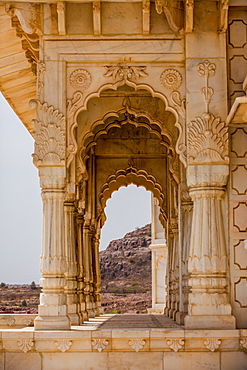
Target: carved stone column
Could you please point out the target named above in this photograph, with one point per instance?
(159, 261)
(80, 280)
(209, 305)
(72, 267)
(52, 309)
(207, 176)
(49, 157)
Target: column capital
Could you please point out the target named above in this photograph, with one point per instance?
(213, 175)
(52, 177)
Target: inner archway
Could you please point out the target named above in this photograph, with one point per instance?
(127, 209)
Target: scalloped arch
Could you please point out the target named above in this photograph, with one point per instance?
(118, 119)
(154, 94)
(125, 177)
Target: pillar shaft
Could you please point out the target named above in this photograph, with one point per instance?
(52, 308)
(207, 265)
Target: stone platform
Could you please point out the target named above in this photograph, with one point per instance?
(123, 342)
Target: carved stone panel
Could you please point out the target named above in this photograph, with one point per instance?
(240, 254)
(237, 51)
(240, 289)
(239, 180)
(239, 143)
(240, 216)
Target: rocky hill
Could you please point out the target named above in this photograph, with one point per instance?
(126, 263)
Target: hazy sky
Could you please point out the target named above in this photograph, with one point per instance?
(21, 208)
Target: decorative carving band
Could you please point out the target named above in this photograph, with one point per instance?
(63, 344)
(49, 135)
(207, 263)
(175, 344)
(212, 344)
(10, 321)
(80, 79)
(171, 79)
(125, 72)
(208, 140)
(25, 344)
(137, 344)
(99, 344)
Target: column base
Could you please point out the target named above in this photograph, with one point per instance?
(52, 323)
(210, 322)
(156, 310)
(180, 317)
(74, 318)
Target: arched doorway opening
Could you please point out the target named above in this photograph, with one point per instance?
(126, 136)
(125, 265)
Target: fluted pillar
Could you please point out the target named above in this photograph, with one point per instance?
(52, 311)
(209, 305)
(72, 266)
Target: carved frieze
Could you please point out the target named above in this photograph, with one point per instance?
(99, 344)
(25, 344)
(175, 344)
(212, 343)
(63, 344)
(137, 344)
(10, 321)
(123, 72)
(49, 135)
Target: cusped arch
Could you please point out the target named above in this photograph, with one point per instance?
(75, 108)
(136, 87)
(119, 119)
(124, 177)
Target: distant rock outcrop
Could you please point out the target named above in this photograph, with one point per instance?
(126, 263)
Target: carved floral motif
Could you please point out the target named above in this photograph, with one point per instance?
(10, 321)
(137, 344)
(171, 79)
(80, 79)
(212, 344)
(28, 322)
(125, 72)
(175, 344)
(49, 135)
(25, 344)
(206, 70)
(99, 344)
(208, 140)
(63, 344)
